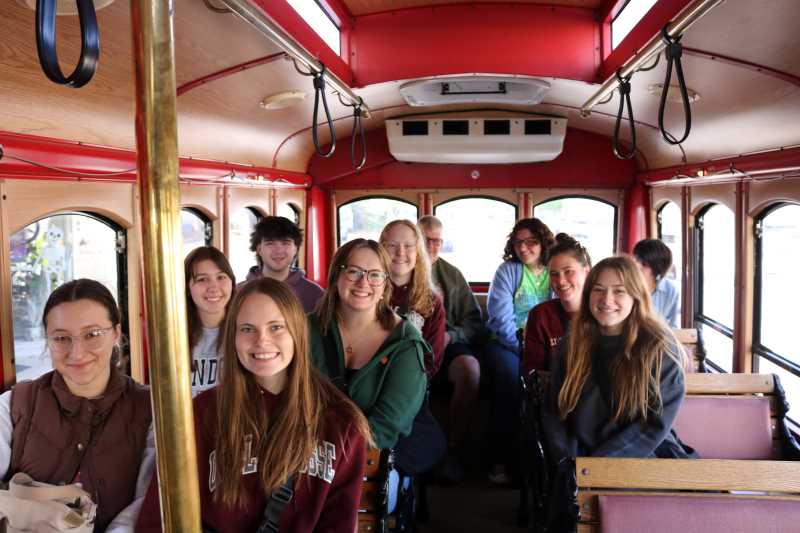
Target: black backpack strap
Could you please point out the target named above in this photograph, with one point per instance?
(277, 501)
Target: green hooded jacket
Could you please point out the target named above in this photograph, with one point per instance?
(389, 389)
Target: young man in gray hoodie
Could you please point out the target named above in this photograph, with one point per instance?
(276, 241)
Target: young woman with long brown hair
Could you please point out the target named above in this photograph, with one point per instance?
(210, 284)
(413, 294)
(617, 387)
(273, 417)
(375, 356)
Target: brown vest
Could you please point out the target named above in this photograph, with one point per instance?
(58, 436)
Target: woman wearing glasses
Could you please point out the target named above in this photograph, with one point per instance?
(521, 282)
(368, 351)
(413, 295)
(92, 423)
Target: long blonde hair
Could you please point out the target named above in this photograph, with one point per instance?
(285, 438)
(422, 296)
(327, 308)
(635, 373)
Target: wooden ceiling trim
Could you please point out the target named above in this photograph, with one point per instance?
(763, 69)
(235, 69)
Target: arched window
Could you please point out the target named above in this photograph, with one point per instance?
(475, 232)
(289, 211)
(776, 337)
(716, 260)
(241, 258)
(366, 218)
(196, 229)
(47, 254)
(593, 222)
(670, 233)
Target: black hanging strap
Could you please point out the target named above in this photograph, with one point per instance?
(673, 53)
(319, 93)
(624, 98)
(277, 501)
(46, 43)
(358, 126)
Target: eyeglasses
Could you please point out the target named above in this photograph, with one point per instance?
(374, 277)
(434, 242)
(393, 247)
(529, 242)
(60, 343)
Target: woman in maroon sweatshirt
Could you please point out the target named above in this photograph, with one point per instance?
(271, 417)
(569, 265)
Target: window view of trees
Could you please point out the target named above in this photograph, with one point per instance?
(366, 218)
(47, 254)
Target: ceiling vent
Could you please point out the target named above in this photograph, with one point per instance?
(471, 139)
(513, 90)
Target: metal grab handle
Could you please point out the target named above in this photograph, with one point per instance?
(46, 43)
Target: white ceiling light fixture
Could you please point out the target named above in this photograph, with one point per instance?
(517, 90)
(674, 93)
(70, 7)
(282, 100)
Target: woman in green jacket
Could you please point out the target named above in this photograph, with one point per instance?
(373, 355)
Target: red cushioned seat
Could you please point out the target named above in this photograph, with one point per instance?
(696, 514)
(726, 428)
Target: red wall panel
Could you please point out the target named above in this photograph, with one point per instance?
(536, 40)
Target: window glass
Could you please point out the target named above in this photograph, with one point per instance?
(780, 291)
(241, 258)
(789, 381)
(366, 218)
(475, 234)
(45, 255)
(719, 263)
(628, 18)
(590, 221)
(669, 231)
(319, 21)
(193, 230)
(719, 347)
(290, 212)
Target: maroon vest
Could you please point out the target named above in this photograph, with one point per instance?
(58, 436)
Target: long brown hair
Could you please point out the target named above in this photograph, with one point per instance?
(285, 438)
(329, 303)
(635, 373)
(421, 297)
(193, 316)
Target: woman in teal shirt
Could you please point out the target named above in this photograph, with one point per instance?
(521, 282)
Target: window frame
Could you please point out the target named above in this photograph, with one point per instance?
(614, 241)
(480, 284)
(760, 350)
(208, 226)
(697, 292)
(614, 19)
(121, 251)
(362, 198)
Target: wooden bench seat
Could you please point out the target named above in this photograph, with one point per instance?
(373, 509)
(660, 495)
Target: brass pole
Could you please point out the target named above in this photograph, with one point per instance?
(157, 153)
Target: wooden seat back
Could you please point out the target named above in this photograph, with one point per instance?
(677, 483)
(373, 509)
(693, 345)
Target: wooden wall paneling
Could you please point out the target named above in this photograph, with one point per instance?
(660, 196)
(6, 312)
(721, 193)
(768, 192)
(744, 283)
(687, 292)
(411, 196)
(137, 334)
(440, 196)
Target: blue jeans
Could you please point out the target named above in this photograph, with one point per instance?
(503, 371)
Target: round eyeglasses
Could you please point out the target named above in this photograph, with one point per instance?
(92, 339)
(374, 277)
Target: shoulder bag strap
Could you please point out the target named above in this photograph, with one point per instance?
(277, 501)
